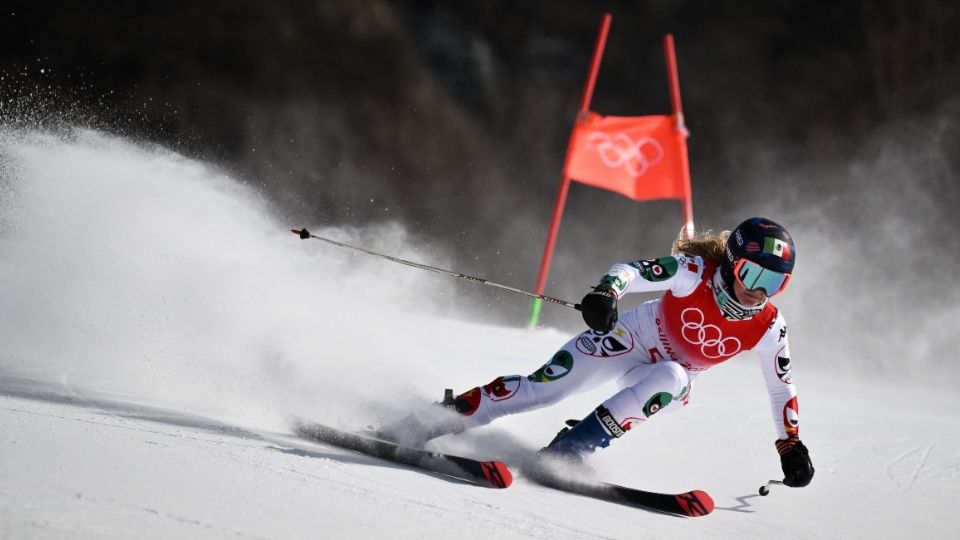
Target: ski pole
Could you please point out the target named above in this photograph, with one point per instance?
(765, 489)
(305, 234)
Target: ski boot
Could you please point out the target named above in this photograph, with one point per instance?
(581, 438)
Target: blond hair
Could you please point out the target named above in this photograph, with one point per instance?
(706, 244)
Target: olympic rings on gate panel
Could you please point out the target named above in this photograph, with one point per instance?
(622, 151)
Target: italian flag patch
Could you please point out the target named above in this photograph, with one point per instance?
(775, 246)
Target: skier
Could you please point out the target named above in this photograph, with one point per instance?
(716, 305)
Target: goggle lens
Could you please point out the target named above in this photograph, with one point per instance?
(753, 277)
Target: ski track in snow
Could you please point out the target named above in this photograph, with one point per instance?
(212, 527)
(923, 467)
(909, 475)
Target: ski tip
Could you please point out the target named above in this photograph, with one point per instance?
(695, 503)
(302, 233)
(497, 474)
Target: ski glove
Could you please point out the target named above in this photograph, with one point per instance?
(795, 461)
(599, 309)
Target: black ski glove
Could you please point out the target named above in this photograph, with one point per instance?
(599, 309)
(795, 461)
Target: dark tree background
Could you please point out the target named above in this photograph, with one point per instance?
(452, 117)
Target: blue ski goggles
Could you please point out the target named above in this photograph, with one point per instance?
(753, 277)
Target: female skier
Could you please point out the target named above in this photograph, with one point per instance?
(716, 305)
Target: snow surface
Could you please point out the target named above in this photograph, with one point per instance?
(160, 328)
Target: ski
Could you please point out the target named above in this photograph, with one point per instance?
(496, 474)
(493, 474)
(691, 503)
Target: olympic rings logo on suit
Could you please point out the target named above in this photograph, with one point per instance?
(709, 337)
(622, 151)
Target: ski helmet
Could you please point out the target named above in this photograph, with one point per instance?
(765, 243)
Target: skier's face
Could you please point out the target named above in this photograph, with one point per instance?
(748, 298)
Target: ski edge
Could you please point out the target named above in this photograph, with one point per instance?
(693, 503)
(493, 474)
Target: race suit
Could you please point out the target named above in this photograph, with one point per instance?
(654, 352)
